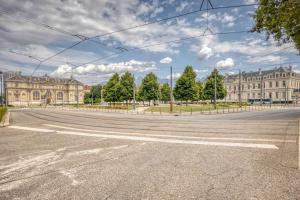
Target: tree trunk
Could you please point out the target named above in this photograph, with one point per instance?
(186, 103)
(149, 102)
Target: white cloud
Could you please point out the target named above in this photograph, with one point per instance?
(157, 11)
(132, 66)
(250, 1)
(182, 6)
(205, 52)
(166, 60)
(265, 59)
(227, 63)
(175, 76)
(225, 18)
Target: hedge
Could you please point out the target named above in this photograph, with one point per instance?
(3, 110)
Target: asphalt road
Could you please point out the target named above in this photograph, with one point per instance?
(59, 154)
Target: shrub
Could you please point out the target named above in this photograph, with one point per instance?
(3, 110)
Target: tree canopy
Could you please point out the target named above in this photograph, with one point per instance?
(209, 89)
(149, 89)
(279, 18)
(94, 94)
(200, 90)
(186, 88)
(165, 92)
(112, 89)
(126, 83)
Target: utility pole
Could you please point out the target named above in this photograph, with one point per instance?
(101, 96)
(2, 88)
(171, 89)
(240, 88)
(92, 97)
(261, 87)
(133, 103)
(77, 96)
(215, 91)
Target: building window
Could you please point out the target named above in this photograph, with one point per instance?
(270, 95)
(276, 75)
(48, 94)
(277, 95)
(249, 87)
(253, 85)
(277, 84)
(60, 96)
(270, 84)
(258, 85)
(283, 75)
(17, 97)
(36, 95)
(283, 83)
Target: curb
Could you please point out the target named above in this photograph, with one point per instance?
(5, 122)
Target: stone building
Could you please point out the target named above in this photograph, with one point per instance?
(279, 85)
(44, 90)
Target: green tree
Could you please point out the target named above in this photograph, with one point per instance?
(126, 82)
(149, 89)
(94, 95)
(165, 92)
(112, 89)
(209, 89)
(186, 88)
(200, 90)
(279, 18)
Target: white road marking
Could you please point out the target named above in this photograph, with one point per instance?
(152, 139)
(32, 129)
(176, 136)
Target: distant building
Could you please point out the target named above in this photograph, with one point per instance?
(87, 89)
(44, 90)
(279, 84)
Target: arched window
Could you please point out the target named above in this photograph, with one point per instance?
(60, 96)
(36, 95)
(48, 94)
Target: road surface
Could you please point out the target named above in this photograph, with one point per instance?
(59, 154)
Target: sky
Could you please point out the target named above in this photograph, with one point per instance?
(34, 30)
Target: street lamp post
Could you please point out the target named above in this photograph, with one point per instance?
(171, 89)
(133, 103)
(215, 91)
(2, 89)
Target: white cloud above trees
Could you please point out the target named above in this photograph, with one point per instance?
(227, 63)
(166, 60)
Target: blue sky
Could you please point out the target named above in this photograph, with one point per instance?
(22, 32)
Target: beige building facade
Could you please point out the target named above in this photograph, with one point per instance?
(28, 91)
(278, 85)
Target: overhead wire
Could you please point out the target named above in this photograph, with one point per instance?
(124, 29)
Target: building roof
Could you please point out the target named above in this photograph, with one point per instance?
(42, 79)
(260, 72)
